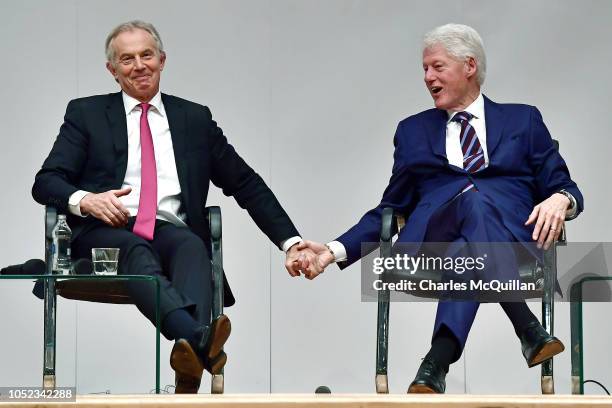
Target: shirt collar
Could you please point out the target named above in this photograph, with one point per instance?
(476, 108)
(130, 103)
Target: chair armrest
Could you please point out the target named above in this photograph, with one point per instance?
(387, 223)
(50, 221)
(213, 214)
(391, 223)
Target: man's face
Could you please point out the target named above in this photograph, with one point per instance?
(451, 83)
(137, 65)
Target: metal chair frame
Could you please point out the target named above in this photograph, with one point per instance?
(577, 345)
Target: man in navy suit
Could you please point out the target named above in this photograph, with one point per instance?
(470, 170)
(132, 171)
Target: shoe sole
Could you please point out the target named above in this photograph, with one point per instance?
(421, 389)
(548, 351)
(219, 333)
(187, 366)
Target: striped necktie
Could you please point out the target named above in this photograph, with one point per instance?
(473, 155)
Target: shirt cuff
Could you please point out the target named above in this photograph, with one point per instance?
(74, 202)
(338, 249)
(288, 243)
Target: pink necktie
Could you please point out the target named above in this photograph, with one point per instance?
(147, 206)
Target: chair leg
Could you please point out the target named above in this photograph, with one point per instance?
(576, 335)
(50, 303)
(382, 343)
(382, 384)
(217, 384)
(547, 377)
(382, 322)
(547, 381)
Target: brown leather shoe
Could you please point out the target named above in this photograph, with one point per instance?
(187, 366)
(186, 362)
(211, 345)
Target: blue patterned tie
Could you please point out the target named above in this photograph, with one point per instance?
(473, 155)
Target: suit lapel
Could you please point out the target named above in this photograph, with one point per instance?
(177, 120)
(495, 122)
(436, 132)
(115, 113)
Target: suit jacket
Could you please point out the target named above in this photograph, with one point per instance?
(524, 169)
(90, 153)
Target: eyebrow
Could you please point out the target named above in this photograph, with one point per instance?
(128, 54)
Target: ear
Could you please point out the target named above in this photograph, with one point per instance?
(111, 69)
(162, 61)
(470, 67)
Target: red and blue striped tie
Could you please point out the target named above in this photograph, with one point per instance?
(473, 155)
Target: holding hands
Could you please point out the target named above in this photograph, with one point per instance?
(308, 257)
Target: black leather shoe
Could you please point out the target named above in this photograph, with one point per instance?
(537, 345)
(189, 364)
(430, 379)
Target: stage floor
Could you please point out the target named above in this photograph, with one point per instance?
(333, 400)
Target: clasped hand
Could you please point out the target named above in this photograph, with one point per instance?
(107, 207)
(309, 258)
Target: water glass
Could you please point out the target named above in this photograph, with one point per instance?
(105, 260)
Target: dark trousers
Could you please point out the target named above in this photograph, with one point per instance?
(176, 255)
(471, 218)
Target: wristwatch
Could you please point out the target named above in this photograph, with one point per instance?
(569, 197)
(572, 211)
(331, 251)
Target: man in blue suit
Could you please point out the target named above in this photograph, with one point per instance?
(470, 170)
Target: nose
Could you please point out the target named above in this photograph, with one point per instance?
(429, 75)
(138, 63)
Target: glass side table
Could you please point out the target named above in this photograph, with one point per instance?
(577, 331)
(50, 283)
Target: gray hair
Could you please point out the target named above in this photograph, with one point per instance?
(130, 26)
(461, 42)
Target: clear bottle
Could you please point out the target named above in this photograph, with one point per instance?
(61, 243)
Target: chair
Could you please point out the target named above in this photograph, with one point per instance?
(543, 274)
(577, 343)
(114, 291)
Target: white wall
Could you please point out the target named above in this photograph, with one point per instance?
(310, 93)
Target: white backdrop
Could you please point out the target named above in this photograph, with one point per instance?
(310, 93)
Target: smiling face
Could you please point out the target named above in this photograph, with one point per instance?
(452, 83)
(137, 64)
